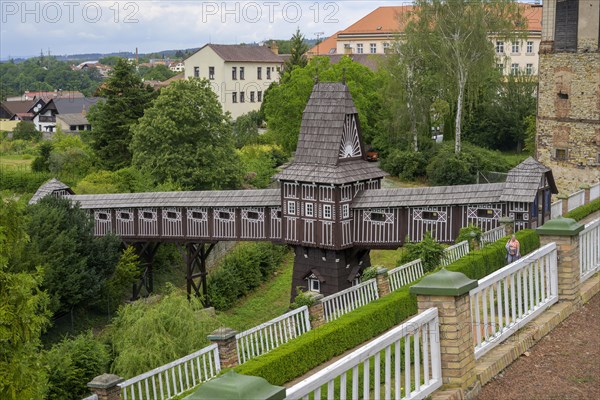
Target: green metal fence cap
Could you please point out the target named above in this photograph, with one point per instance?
(234, 386)
(560, 227)
(444, 283)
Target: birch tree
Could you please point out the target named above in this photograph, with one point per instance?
(455, 35)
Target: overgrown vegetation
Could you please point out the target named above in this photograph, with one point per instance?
(581, 212)
(428, 250)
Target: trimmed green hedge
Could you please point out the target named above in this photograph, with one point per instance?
(312, 349)
(581, 212)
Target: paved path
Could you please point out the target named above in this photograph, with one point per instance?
(563, 365)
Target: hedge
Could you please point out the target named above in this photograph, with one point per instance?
(312, 349)
(583, 211)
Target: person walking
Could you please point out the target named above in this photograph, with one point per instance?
(513, 249)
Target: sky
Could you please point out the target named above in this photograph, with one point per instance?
(65, 27)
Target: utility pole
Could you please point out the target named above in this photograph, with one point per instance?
(318, 34)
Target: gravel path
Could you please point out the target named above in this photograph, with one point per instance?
(563, 365)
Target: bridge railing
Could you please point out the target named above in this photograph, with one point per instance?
(271, 334)
(420, 375)
(405, 274)
(492, 235)
(575, 200)
(174, 378)
(507, 299)
(454, 252)
(589, 249)
(340, 303)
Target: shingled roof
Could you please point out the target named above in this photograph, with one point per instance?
(48, 188)
(524, 180)
(223, 198)
(244, 53)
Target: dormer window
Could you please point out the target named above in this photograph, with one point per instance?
(314, 285)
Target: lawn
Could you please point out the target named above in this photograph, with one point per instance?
(386, 258)
(16, 160)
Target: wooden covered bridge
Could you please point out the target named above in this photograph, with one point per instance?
(330, 206)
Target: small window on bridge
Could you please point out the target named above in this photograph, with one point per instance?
(103, 216)
(197, 215)
(485, 213)
(125, 216)
(430, 215)
(171, 215)
(378, 217)
(147, 215)
(224, 215)
(252, 215)
(279, 214)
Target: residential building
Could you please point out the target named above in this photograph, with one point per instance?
(45, 119)
(177, 67)
(46, 96)
(73, 123)
(568, 115)
(20, 110)
(374, 33)
(235, 72)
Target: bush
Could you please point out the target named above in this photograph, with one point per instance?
(302, 299)
(72, 363)
(428, 250)
(241, 271)
(22, 181)
(469, 233)
(407, 165)
(368, 273)
(581, 212)
(26, 131)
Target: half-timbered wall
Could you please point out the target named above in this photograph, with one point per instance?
(275, 223)
(148, 222)
(484, 216)
(521, 213)
(436, 220)
(253, 223)
(378, 226)
(172, 222)
(290, 190)
(358, 187)
(224, 223)
(327, 237)
(309, 231)
(291, 229)
(347, 238)
(197, 222)
(102, 222)
(125, 222)
(309, 192)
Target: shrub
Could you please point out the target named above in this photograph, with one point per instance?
(72, 363)
(22, 181)
(583, 211)
(469, 233)
(407, 165)
(241, 271)
(302, 299)
(369, 273)
(428, 250)
(25, 130)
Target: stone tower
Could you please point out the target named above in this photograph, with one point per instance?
(568, 117)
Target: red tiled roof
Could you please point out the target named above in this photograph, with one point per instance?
(325, 46)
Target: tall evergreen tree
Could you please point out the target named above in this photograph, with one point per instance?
(298, 47)
(126, 99)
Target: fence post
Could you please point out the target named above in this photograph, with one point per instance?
(224, 338)
(586, 193)
(383, 282)
(565, 233)
(316, 311)
(449, 292)
(105, 387)
(564, 198)
(508, 223)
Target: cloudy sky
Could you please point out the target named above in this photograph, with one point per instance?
(71, 27)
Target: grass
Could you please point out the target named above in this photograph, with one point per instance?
(16, 160)
(514, 158)
(390, 182)
(386, 258)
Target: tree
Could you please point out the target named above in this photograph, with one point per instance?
(25, 130)
(245, 128)
(23, 314)
(286, 101)
(185, 137)
(298, 47)
(454, 35)
(159, 72)
(126, 99)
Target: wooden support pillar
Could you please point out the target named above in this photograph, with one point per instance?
(195, 260)
(146, 252)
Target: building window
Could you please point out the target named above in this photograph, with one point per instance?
(560, 154)
(359, 48)
(234, 97)
(242, 73)
(514, 68)
(258, 72)
(242, 99)
(313, 284)
(309, 210)
(196, 72)
(500, 47)
(268, 72)
(373, 48)
(259, 96)
(327, 211)
(515, 48)
(529, 69)
(346, 211)
(291, 207)
(529, 47)
(500, 67)
(234, 73)
(252, 97)
(211, 73)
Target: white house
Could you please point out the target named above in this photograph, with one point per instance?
(45, 119)
(239, 74)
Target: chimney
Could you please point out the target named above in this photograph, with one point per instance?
(274, 48)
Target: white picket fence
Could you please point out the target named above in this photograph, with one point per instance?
(455, 252)
(405, 274)
(595, 191)
(415, 376)
(340, 303)
(174, 378)
(575, 200)
(265, 337)
(493, 235)
(556, 209)
(589, 249)
(509, 298)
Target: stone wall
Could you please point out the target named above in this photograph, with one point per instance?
(569, 117)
